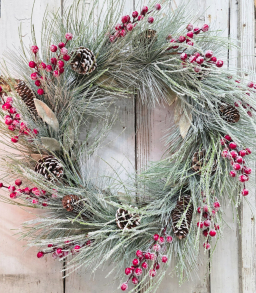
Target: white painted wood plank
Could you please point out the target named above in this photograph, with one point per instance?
(247, 36)
(20, 270)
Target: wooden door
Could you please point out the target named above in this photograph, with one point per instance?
(134, 140)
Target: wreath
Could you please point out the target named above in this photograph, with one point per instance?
(148, 221)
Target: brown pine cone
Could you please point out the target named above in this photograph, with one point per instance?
(50, 168)
(84, 61)
(181, 230)
(199, 161)
(27, 95)
(69, 202)
(229, 113)
(126, 220)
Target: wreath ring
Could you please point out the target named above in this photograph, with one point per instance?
(59, 89)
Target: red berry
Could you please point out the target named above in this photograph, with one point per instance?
(15, 139)
(53, 48)
(183, 56)
(135, 262)
(1, 89)
(213, 59)
(205, 27)
(237, 166)
(207, 223)
(196, 30)
(249, 113)
(122, 33)
(156, 247)
(197, 69)
(144, 10)
(152, 273)
(217, 227)
(243, 178)
(169, 239)
(208, 54)
(129, 27)
(77, 247)
(248, 151)
(247, 171)
(144, 265)
(58, 251)
(40, 254)
(11, 127)
(34, 76)
(150, 19)
(216, 204)
(147, 255)
(190, 34)
(49, 68)
(128, 271)
(207, 246)
(54, 61)
(182, 39)
(56, 73)
(124, 286)
(190, 27)
(205, 233)
(125, 19)
(42, 65)
(64, 51)
(192, 59)
(174, 46)
(228, 137)
(243, 153)
(66, 57)
(61, 63)
(200, 60)
(212, 233)
(156, 236)
(40, 91)
(61, 45)
(164, 259)
(233, 145)
(158, 6)
(233, 154)
(152, 256)
(135, 280)
(161, 240)
(250, 84)
(199, 210)
(140, 17)
(34, 49)
(37, 82)
(245, 192)
(219, 63)
(138, 271)
(190, 43)
(18, 182)
(8, 121)
(68, 36)
(206, 209)
(32, 64)
(135, 14)
(139, 253)
(13, 195)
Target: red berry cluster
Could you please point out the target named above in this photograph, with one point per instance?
(13, 120)
(56, 68)
(209, 225)
(148, 259)
(237, 160)
(33, 195)
(61, 251)
(252, 88)
(128, 23)
(189, 36)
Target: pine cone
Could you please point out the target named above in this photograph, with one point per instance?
(181, 229)
(27, 95)
(69, 202)
(145, 38)
(50, 168)
(199, 161)
(84, 61)
(229, 113)
(126, 220)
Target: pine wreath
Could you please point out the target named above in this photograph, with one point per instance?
(139, 57)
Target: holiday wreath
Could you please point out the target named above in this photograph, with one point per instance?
(58, 89)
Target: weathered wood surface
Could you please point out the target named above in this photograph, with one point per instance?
(135, 140)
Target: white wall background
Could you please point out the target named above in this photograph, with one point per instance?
(233, 263)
